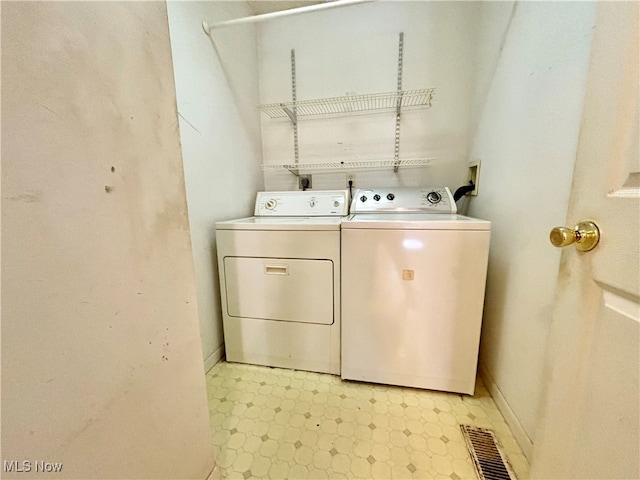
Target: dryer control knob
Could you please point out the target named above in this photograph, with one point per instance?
(434, 197)
(376, 197)
(390, 196)
(363, 198)
(271, 204)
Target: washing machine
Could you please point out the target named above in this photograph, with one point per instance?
(280, 281)
(413, 283)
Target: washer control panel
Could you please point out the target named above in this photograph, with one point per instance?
(403, 199)
(309, 203)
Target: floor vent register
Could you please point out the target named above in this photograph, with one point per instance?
(489, 461)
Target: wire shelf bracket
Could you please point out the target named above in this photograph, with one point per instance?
(293, 113)
(396, 151)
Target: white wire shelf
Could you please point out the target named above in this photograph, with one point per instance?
(356, 164)
(351, 104)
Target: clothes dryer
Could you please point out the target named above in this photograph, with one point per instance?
(280, 281)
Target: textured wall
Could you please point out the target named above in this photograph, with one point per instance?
(526, 139)
(217, 94)
(354, 50)
(101, 357)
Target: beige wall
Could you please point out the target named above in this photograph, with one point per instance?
(101, 356)
(217, 93)
(526, 139)
(354, 50)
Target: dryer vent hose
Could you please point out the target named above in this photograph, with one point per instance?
(463, 190)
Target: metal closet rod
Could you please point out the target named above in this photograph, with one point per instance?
(284, 13)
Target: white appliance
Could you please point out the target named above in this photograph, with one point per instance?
(413, 282)
(280, 281)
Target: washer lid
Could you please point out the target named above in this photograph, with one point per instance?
(281, 223)
(414, 221)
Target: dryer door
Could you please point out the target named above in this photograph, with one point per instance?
(285, 289)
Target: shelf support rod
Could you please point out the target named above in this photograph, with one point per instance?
(294, 113)
(396, 155)
(207, 27)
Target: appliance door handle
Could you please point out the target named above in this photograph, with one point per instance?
(276, 269)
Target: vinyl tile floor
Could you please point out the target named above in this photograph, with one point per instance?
(271, 423)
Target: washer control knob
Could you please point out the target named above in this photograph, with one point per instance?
(336, 203)
(376, 197)
(390, 196)
(434, 197)
(271, 204)
(312, 202)
(363, 198)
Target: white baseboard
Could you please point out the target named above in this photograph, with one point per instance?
(214, 358)
(215, 474)
(514, 424)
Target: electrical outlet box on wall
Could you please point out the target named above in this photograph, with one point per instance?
(304, 182)
(473, 175)
(351, 177)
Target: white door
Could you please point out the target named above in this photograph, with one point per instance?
(589, 424)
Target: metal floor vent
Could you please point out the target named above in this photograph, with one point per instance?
(488, 459)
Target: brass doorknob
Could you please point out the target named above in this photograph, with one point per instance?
(585, 235)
